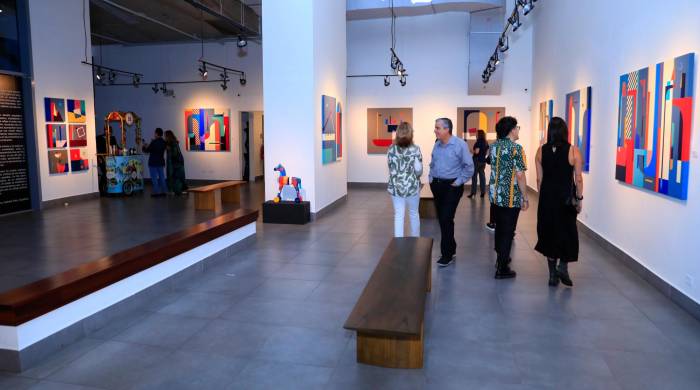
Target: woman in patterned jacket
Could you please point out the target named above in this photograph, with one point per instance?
(405, 168)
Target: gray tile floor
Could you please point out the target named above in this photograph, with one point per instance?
(271, 318)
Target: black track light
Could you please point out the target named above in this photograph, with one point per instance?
(503, 43)
(99, 74)
(112, 77)
(386, 81)
(155, 88)
(527, 6)
(514, 20)
(203, 71)
(164, 88)
(242, 42)
(402, 80)
(224, 85)
(242, 80)
(136, 80)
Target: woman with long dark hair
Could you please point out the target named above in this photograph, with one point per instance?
(560, 184)
(175, 164)
(479, 151)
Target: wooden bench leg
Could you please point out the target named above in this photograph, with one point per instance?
(231, 194)
(208, 200)
(390, 351)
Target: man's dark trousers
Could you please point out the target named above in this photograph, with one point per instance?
(446, 197)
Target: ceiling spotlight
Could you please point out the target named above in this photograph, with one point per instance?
(402, 80)
(203, 71)
(514, 20)
(136, 80)
(503, 43)
(112, 76)
(242, 42)
(242, 80)
(386, 81)
(527, 6)
(99, 74)
(164, 88)
(155, 88)
(223, 84)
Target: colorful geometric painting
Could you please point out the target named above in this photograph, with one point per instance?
(56, 136)
(207, 130)
(329, 151)
(381, 127)
(54, 110)
(58, 161)
(78, 160)
(77, 136)
(578, 118)
(472, 119)
(546, 113)
(76, 111)
(654, 127)
(339, 133)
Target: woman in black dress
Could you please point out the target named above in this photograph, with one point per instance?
(559, 166)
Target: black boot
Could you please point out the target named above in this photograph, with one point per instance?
(503, 270)
(563, 273)
(553, 276)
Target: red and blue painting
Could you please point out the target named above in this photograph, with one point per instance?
(654, 127)
(578, 118)
(207, 130)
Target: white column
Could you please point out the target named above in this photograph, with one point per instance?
(304, 57)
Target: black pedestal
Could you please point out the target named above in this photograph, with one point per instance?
(286, 212)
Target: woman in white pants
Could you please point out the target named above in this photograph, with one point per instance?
(405, 168)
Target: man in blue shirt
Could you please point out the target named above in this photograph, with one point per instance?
(450, 167)
(156, 163)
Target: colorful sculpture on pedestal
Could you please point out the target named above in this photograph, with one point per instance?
(289, 187)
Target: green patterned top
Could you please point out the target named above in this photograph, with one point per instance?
(404, 179)
(507, 158)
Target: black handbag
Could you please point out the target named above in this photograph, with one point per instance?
(572, 201)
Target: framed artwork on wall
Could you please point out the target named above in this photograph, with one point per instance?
(329, 116)
(655, 113)
(546, 113)
(77, 136)
(54, 110)
(58, 161)
(56, 136)
(472, 119)
(381, 127)
(79, 160)
(339, 133)
(578, 118)
(76, 111)
(207, 130)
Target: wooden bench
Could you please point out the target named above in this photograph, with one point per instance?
(211, 197)
(426, 204)
(388, 316)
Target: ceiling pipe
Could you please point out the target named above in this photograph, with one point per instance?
(244, 30)
(108, 38)
(150, 19)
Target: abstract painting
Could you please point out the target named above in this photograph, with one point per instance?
(58, 161)
(654, 127)
(54, 110)
(381, 127)
(339, 133)
(76, 111)
(546, 113)
(329, 151)
(578, 118)
(56, 136)
(207, 130)
(77, 136)
(78, 160)
(472, 119)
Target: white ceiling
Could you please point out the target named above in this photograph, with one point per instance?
(371, 9)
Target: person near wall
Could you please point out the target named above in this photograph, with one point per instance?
(480, 151)
(405, 168)
(559, 178)
(156, 162)
(175, 164)
(451, 165)
(507, 191)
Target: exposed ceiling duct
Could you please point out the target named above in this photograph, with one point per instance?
(373, 9)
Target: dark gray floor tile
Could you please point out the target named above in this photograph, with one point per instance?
(274, 375)
(10, 381)
(302, 272)
(190, 370)
(62, 358)
(46, 385)
(200, 305)
(363, 376)
(558, 366)
(162, 330)
(292, 289)
(229, 338)
(304, 346)
(642, 371)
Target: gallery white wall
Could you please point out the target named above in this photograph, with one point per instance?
(298, 68)
(58, 73)
(166, 62)
(570, 53)
(435, 50)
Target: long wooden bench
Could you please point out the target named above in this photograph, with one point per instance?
(211, 197)
(388, 316)
(426, 204)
